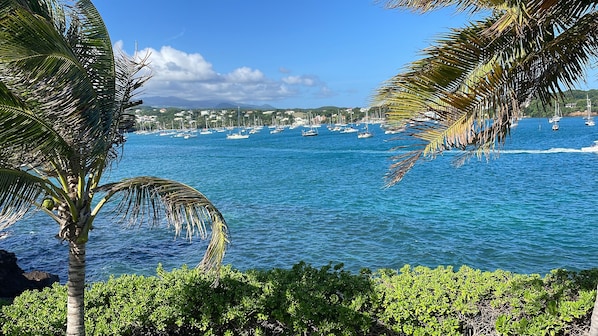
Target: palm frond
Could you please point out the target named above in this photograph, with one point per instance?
(130, 76)
(64, 77)
(155, 200)
(93, 47)
(424, 6)
(25, 138)
(20, 192)
(477, 78)
(460, 81)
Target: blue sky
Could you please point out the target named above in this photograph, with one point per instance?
(289, 54)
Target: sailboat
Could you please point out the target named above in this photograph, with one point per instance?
(366, 133)
(240, 134)
(206, 129)
(312, 131)
(589, 118)
(349, 127)
(556, 117)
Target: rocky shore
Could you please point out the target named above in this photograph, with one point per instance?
(15, 281)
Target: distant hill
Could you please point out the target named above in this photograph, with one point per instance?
(156, 101)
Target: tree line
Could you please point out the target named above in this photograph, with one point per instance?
(573, 102)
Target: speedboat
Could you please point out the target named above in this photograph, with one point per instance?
(593, 148)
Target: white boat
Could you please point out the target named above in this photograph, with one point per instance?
(593, 148)
(555, 125)
(236, 136)
(365, 135)
(206, 129)
(312, 131)
(349, 129)
(277, 129)
(589, 118)
(556, 117)
(557, 114)
(309, 132)
(366, 132)
(240, 134)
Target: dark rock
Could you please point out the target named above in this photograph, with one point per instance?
(14, 281)
(40, 279)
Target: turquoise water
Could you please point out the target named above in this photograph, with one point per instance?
(289, 198)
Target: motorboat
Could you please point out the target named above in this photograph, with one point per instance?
(593, 148)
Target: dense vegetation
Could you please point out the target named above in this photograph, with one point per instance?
(327, 301)
(573, 102)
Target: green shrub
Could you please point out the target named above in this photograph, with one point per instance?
(559, 304)
(325, 301)
(36, 313)
(422, 301)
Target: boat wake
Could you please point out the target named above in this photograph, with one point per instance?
(544, 151)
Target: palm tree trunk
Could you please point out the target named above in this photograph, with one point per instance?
(594, 319)
(75, 320)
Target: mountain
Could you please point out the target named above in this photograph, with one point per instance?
(156, 101)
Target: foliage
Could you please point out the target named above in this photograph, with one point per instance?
(325, 301)
(574, 101)
(64, 101)
(468, 86)
(36, 313)
(422, 301)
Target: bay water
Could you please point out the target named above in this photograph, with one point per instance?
(322, 199)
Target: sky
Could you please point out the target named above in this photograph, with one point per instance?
(288, 54)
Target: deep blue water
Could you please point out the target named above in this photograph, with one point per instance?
(289, 198)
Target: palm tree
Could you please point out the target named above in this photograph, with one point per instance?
(64, 94)
(466, 89)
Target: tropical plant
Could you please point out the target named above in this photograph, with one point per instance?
(470, 85)
(303, 300)
(64, 94)
(475, 80)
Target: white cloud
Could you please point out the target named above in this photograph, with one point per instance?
(169, 64)
(245, 75)
(190, 76)
(301, 80)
